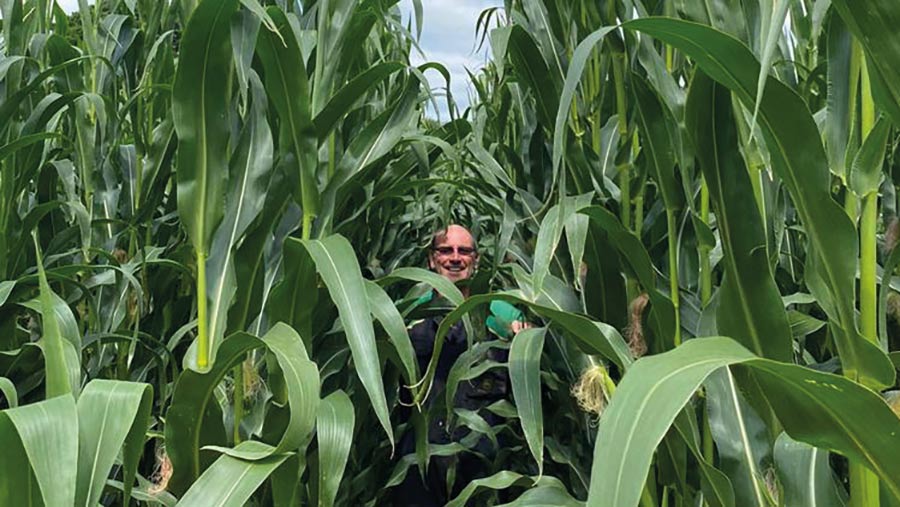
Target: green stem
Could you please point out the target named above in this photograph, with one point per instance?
(639, 212)
(864, 487)
(625, 198)
(708, 451)
(619, 79)
(673, 270)
(867, 263)
(202, 324)
(705, 271)
(307, 225)
(238, 401)
(331, 151)
(851, 202)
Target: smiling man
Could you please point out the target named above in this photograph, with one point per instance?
(453, 254)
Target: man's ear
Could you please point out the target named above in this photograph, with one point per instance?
(430, 262)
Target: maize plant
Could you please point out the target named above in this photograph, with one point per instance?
(215, 216)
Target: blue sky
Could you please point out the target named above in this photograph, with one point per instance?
(448, 37)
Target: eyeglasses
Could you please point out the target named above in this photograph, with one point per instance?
(462, 251)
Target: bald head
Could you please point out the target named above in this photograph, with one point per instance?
(453, 253)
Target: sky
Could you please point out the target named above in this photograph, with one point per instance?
(448, 37)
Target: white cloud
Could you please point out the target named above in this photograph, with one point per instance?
(448, 37)
(69, 5)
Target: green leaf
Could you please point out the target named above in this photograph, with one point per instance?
(200, 95)
(500, 480)
(837, 108)
(48, 431)
(525, 376)
(347, 97)
(194, 418)
(336, 264)
(377, 138)
(805, 475)
(445, 287)
(865, 172)
(301, 379)
(250, 171)
(288, 88)
(573, 78)
(9, 392)
(336, 21)
(230, 481)
(294, 299)
(386, 313)
(334, 431)
(798, 158)
(533, 72)
(633, 254)
(56, 367)
(818, 408)
(111, 415)
(873, 23)
(771, 26)
(740, 435)
(656, 123)
(750, 308)
(549, 234)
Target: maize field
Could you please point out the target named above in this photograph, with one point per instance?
(215, 217)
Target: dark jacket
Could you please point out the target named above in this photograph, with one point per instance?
(475, 394)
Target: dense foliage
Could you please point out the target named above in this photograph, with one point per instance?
(212, 214)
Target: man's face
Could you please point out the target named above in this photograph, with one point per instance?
(453, 254)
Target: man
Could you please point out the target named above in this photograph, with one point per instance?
(453, 254)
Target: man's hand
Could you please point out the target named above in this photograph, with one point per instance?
(519, 325)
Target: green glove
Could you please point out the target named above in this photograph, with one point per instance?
(502, 316)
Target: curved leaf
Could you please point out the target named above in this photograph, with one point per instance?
(656, 122)
(111, 415)
(194, 418)
(250, 170)
(229, 482)
(818, 408)
(346, 98)
(873, 23)
(445, 287)
(9, 392)
(798, 157)
(750, 308)
(288, 88)
(593, 337)
(334, 431)
(740, 435)
(336, 264)
(805, 474)
(865, 172)
(386, 313)
(525, 376)
(301, 379)
(60, 380)
(199, 95)
(633, 254)
(48, 431)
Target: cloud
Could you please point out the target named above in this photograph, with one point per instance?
(448, 37)
(69, 5)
